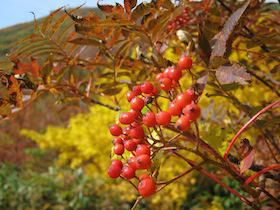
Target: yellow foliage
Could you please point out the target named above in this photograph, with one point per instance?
(86, 142)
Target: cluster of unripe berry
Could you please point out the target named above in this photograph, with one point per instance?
(131, 135)
(179, 21)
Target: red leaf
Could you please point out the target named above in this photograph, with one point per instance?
(105, 8)
(232, 74)
(222, 37)
(247, 162)
(129, 4)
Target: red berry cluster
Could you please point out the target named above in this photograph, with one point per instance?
(131, 135)
(171, 75)
(179, 21)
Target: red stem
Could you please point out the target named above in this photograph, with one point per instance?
(251, 121)
(216, 179)
(251, 178)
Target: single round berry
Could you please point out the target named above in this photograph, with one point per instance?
(137, 89)
(185, 62)
(160, 76)
(144, 176)
(126, 131)
(142, 149)
(118, 140)
(146, 187)
(137, 132)
(114, 171)
(130, 95)
(183, 123)
(143, 162)
(137, 104)
(117, 163)
(135, 113)
(137, 141)
(115, 130)
(165, 84)
(183, 100)
(130, 145)
(154, 92)
(118, 149)
(174, 109)
(132, 162)
(192, 95)
(126, 118)
(163, 118)
(192, 111)
(128, 172)
(166, 71)
(175, 74)
(149, 119)
(147, 87)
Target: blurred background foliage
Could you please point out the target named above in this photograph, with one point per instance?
(55, 156)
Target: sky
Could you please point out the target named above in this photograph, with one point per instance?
(18, 11)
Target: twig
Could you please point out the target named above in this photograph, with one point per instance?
(251, 178)
(213, 177)
(252, 120)
(136, 203)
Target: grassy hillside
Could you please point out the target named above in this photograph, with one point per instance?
(9, 36)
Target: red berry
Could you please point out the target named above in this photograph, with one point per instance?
(174, 109)
(114, 171)
(118, 149)
(154, 92)
(149, 119)
(130, 95)
(130, 145)
(146, 187)
(166, 72)
(183, 123)
(117, 163)
(192, 111)
(165, 84)
(143, 162)
(137, 104)
(147, 87)
(128, 172)
(118, 140)
(182, 100)
(135, 124)
(126, 131)
(185, 62)
(163, 118)
(126, 118)
(159, 76)
(174, 74)
(144, 176)
(191, 94)
(135, 113)
(137, 89)
(137, 141)
(115, 130)
(142, 149)
(137, 132)
(132, 162)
